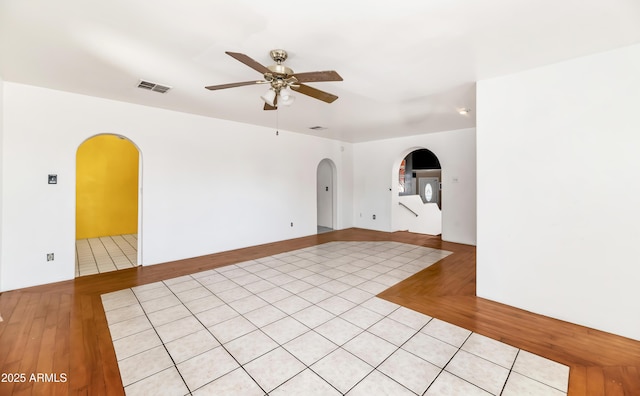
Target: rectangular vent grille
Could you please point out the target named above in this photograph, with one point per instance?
(151, 86)
(318, 128)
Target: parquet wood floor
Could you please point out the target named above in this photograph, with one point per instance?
(60, 329)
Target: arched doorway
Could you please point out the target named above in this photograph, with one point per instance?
(107, 204)
(419, 193)
(326, 195)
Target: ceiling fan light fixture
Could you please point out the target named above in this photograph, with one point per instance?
(286, 96)
(269, 97)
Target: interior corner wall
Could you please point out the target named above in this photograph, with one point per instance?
(208, 185)
(558, 187)
(376, 166)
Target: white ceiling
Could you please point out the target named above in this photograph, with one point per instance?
(408, 66)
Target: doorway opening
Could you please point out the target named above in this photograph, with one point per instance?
(108, 169)
(420, 174)
(326, 195)
(419, 193)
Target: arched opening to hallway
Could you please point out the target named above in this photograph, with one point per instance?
(107, 204)
(326, 195)
(419, 201)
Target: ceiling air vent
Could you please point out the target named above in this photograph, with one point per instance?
(151, 86)
(318, 128)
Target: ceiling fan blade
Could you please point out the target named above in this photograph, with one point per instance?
(315, 93)
(317, 76)
(233, 85)
(248, 61)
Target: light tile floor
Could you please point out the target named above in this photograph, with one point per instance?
(104, 254)
(307, 322)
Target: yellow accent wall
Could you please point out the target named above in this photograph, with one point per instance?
(106, 187)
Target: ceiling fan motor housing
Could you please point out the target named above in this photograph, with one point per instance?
(280, 70)
(279, 73)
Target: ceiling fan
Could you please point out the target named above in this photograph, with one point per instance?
(282, 80)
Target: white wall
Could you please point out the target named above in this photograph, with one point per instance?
(558, 187)
(208, 185)
(1, 165)
(376, 166)
(423, 218)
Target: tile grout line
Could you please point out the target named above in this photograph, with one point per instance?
(108, 254)
(510, 371)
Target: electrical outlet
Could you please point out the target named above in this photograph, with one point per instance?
(49, 256)
(292, 224)
(374, 217)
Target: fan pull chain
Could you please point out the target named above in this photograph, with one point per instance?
(277, 121)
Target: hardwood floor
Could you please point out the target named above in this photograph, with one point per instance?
(60, 330)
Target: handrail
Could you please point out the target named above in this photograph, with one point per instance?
(407, 208)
